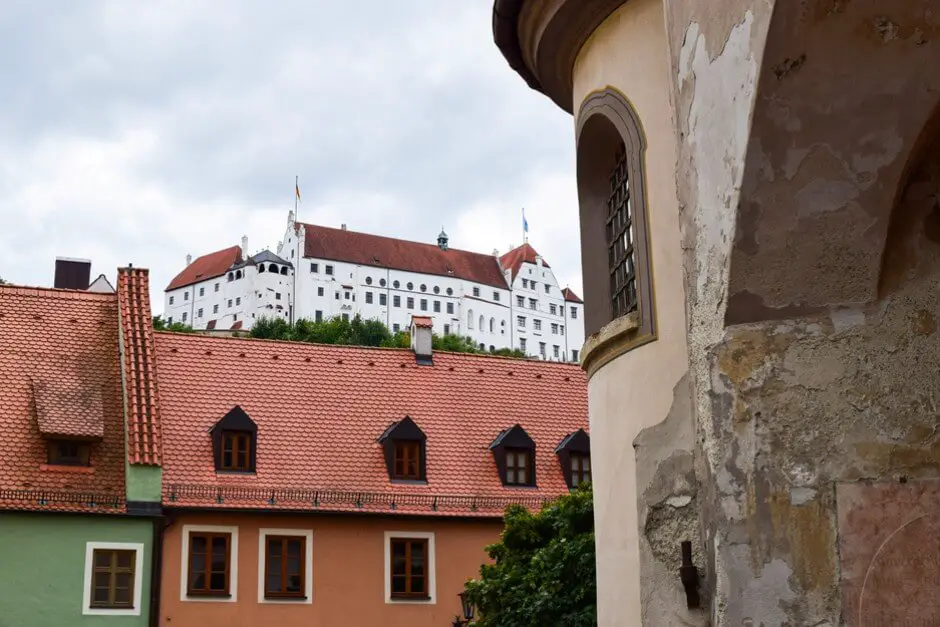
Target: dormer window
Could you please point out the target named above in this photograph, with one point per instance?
(234, 442)
(514, 453)
(68, 453)
(518, 463)
(404, 446)
(407, 461)
(236, 449)
(574, 453)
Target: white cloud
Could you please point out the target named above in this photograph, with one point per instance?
(138, 133)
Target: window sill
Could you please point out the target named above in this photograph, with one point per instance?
(285, 598)
(409, 481)
(208, 595)
(612, 340)
(81, 470)
(236, 473)
(518, 486)
(395, 599)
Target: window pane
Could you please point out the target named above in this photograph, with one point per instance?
(227, 459)
(398, 584)
(123, 580)
(122, 596)
(274, 581)
(197, 563)
(274, 547)
(217, 582)
(417, 584)
(293, 566)
(197, 581)
(100, 596)
(218, 549)
(102, 580)
(125, 559)
(102, 559)
(586, 463)
(274, 565)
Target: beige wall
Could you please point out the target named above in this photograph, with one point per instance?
(628, 52)
(348, 571)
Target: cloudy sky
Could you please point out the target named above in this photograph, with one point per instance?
(139, 132)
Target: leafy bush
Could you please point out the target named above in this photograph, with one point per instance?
(544, 570)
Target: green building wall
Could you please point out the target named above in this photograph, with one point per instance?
(42, 568)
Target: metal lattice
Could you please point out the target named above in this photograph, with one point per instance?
(621, 256)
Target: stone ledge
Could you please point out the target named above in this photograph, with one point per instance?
(612, 340)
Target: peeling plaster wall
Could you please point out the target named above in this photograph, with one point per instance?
(634, 527)
(804, 373)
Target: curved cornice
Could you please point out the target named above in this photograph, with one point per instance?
(541, 39)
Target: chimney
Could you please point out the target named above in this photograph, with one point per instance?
(421, 331)
(245, 246)
(72, 274)
(189, 259)
(538, 261)
(343, 226)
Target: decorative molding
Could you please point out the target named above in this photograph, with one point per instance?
(541, 39)
(614, 339)
(432, 567)
(139, 567)
(233, 567)
(263, 534)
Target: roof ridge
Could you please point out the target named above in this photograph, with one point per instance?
(397, 239)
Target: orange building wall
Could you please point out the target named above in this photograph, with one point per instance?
(348, 572)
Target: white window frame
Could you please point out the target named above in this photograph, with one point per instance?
(432, 567)
(307, 534)
(138, 548)
(233, 567)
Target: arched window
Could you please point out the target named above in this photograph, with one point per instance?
(482, 323)
(470, 320)
(284, 270)
(231, 276)
(260, 267)
(492, 325)
(612, 197)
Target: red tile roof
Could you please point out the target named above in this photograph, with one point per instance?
(59, 342)
(570, 296)
(514, 259)
(422, 321)
(386, 252)
(207, 267)
(66, 408)
(143, 404)
(320, 410)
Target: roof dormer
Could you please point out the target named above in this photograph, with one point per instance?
(574, 453)
(404, 446)
(234, 442)
(514, 452)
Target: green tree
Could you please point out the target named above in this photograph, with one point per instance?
(2, 282)
(544, 571)
(361, 332)
(159, 324)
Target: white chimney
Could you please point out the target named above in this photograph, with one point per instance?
(421, 330)
(538, 261)
(343, 226)
(189, 259)
(245, 246)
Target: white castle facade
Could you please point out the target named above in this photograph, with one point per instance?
(508, 301)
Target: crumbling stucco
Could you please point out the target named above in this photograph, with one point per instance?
(667, 494)
(812, 330)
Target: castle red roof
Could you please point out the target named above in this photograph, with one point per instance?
(207, 267)
(143, 404)
(60, 375)
(386, 252)
(320, 411)
(514, 259)
(570, 296)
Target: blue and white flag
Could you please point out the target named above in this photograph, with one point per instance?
(525, 223)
